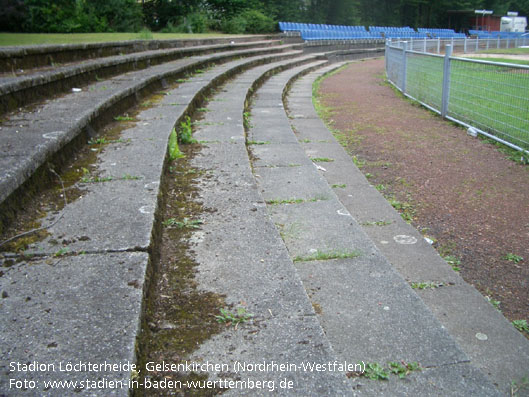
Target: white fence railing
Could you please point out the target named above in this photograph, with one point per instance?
(489, 98)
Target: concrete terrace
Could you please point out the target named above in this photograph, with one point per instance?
(287, 231)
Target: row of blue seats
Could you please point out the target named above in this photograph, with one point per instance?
(406, 35)
(293, 26)
(329, 32)
(447, 35)
(390, 29)
(336, 35)
(431, 30)
(313, 34)
(441, 33)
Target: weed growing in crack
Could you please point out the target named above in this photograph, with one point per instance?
(103, 141)
(258, 142)
(185, 223)
(375, 371)
(96, 179)
(403, 369)
(322, 256)
(185, 134)
(521, 385)
(174, 150)
(513, 258)
(229, 318)
(289, 232)
(125, 117)
(521, 325)
(426, 285)
(246, 120)
(377, 223)
(493, 302)
(359, 163)
(287, 201)
(454, 262)
(406, 209)
(61, 252)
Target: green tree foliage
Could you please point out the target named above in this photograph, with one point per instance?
(232, 16)
(13, 14)
(117, 15)
(50, 16)
(159, 13)
(75, 15)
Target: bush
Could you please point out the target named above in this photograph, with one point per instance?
(249, 21)
(235, 25)
(196, 22)
(145, 34)
(257, 22)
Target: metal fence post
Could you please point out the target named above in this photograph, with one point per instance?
(477, 44)
(465, 46)
(404, 66)
(446, 81)
(386, 53)
(498, 46)
(424, 46)
(438, 45)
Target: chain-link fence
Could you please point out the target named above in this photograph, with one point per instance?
(490, 97)
(460, 46)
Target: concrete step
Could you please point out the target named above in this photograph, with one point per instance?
(491, 343)
(366, 308)
(13, 58)
(33, 137)
(19, 91)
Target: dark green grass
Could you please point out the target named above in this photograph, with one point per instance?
(12, 39)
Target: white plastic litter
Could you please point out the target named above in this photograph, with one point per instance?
(472, 132)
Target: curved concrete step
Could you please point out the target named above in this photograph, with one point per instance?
(491, 343)
(19, 91)
(32, 56)
(86, 306)
(358, 294)
(31, 138)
